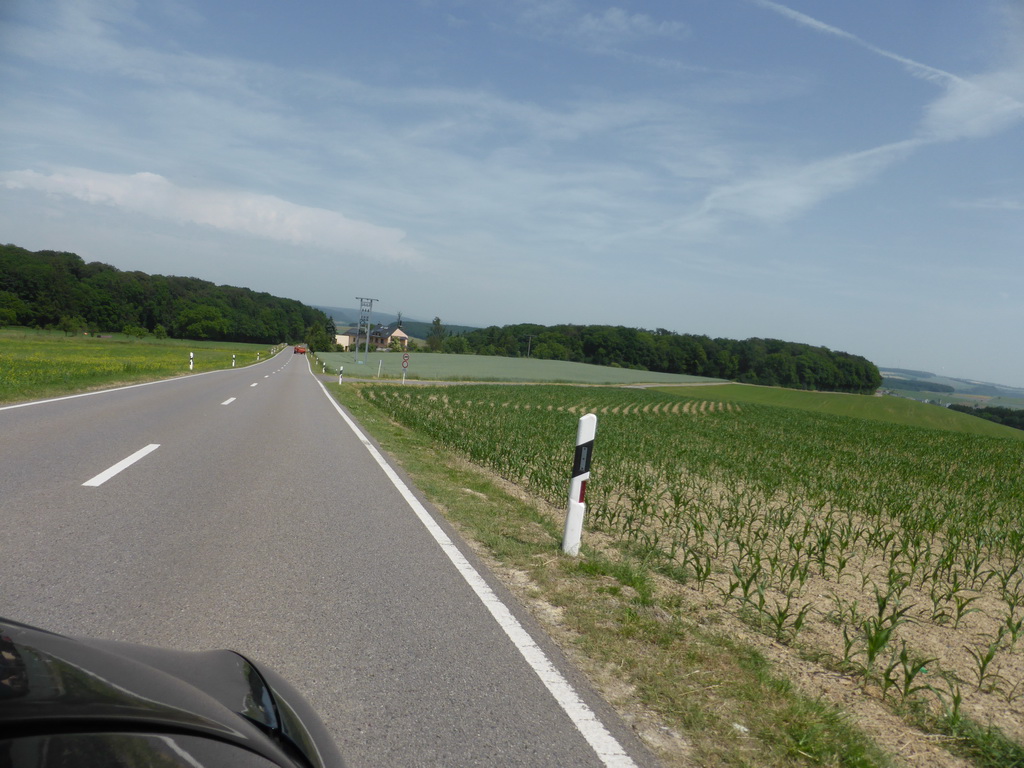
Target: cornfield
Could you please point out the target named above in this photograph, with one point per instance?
(895, 553)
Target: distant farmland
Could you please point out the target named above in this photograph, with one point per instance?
(427, 366)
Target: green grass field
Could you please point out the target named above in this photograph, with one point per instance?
(439, 367)
(36, 364)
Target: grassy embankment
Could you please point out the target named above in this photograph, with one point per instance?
(37, 364)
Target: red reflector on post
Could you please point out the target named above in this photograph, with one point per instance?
(583, 490)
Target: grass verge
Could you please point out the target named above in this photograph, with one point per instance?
(37, 364)
(696, 696)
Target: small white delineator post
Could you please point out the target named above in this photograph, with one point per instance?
(341, 370)
(585, 431)
(191, 360)
(232, 361)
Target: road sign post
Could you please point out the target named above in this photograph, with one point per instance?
(405, 365)
(585, 432)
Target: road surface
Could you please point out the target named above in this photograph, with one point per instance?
(240, 509)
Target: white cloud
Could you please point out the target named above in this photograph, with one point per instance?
(243, 213)
(973, 107)
(784, 194)
(976, 108)
(616, 25)
(606, 32)
(916, 68)
(993, 204)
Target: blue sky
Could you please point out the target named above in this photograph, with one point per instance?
(848, 175)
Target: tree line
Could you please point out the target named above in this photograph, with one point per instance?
(755, 361)
(50, 289)
(1011, 417)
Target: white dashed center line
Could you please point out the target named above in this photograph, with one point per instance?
(102, 477)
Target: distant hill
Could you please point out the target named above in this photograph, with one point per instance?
(922, 381)
(345, 317)
(916, 385)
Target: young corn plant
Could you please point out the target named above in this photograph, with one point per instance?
(940, 614)
(700, 563)
(1014, 692)
(988, 678)
(849, 641)
(954, 709)
(1013, 625)
(845, 612)
(878, 630)
(877, 634)
(888, 677)
(961, 607)
(912, 667)
(785, 619)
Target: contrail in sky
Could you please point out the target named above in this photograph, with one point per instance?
(917, 68)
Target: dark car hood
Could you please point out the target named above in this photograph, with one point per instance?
(56, 685)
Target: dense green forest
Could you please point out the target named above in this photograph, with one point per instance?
(59, 290)
(755, 361)
(1011, 417)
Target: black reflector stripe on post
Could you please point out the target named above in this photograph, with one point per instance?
(581, 461)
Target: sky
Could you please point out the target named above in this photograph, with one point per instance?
(847, 175)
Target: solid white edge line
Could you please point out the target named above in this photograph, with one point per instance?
(587, 723)
(102, 477)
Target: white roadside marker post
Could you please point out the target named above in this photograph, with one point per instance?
(191, 360)
(341, 371)
(585, 431)
(232, 361)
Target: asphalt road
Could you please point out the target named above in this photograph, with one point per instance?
(258, 520)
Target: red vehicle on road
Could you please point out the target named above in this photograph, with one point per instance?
(299, 350)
